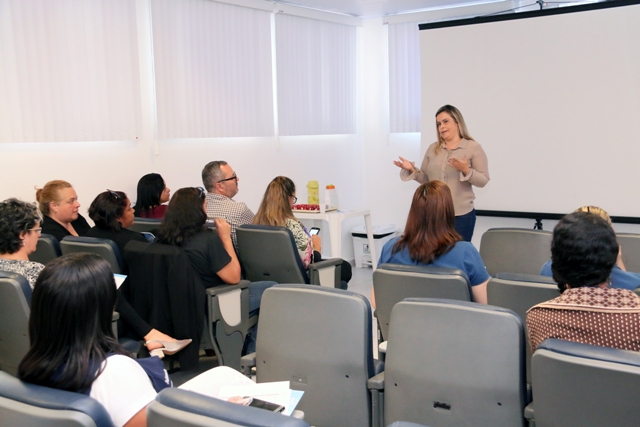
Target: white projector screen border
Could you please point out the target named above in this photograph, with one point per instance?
(553, 96)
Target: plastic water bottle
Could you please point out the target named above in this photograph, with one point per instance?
(331, 197)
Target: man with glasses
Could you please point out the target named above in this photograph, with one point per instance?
(221, 183)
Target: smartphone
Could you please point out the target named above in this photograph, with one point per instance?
(262, 404)
(314, 231)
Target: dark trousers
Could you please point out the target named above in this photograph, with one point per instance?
(464, 225)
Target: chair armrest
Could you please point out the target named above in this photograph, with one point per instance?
(316, 267)
(217, 290)
(247, 362)
(376, 382)
(382, 347)
(528, 412)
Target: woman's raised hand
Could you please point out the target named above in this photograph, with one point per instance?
(404, 164)
(461, 165)
(223, 228)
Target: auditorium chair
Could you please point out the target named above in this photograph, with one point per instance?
(450, 364)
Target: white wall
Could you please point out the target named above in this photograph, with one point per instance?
(358, 165)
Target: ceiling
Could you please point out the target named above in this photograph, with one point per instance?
(375, 8)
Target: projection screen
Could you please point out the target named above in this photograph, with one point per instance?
(554, 99)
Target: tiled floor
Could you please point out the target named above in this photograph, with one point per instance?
(361, 282)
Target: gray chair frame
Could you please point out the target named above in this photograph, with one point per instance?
(174, 407)
(29, 405)
(106, 248)
(48, 249)
(15, 301)
(583, 385)
(145, 224)
(319, 339)
(630, 243)
(228, 322)
(518, 293)
(452, 363)
(515, 250)
(270, 253)
(393, 282)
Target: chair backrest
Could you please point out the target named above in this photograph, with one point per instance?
(167, 293)
(515, 250)
(518, 293)
(578, 384)
(319, 339)
(29, 405)
(269, 253)
(15, 299)
(393, 282)
(630, 243)
(454, 363)
(145, 224)
(104, 247)
(48, 249)
(174, 407)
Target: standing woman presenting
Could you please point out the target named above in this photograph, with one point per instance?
(457, 160)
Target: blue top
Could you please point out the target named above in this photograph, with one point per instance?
(464, 256)
(619, 278)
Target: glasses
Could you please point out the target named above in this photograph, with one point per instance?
(233, 177)
(114, 194)
(295, 199)
(202, 192)
(37, 230)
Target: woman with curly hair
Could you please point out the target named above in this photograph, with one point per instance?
(19, 232)
(112, 214)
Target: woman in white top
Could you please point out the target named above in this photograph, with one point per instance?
(455, 159)
(78, 352)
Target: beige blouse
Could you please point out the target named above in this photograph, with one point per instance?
(436, 167)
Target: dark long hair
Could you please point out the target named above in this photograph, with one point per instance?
(429, 232)
(150, 188)
(275, 207)
(70, 323)
(107, 207)
(184, 217)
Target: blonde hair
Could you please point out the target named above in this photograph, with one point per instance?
(595, 210)
(50, 193)
(275, 208)
(457, 116)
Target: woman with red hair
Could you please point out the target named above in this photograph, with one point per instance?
(430, 238)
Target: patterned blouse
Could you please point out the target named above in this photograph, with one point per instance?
(303, 240)
(29, 269)
(605, 317)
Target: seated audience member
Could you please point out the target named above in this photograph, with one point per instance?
(620, 277)
(212, 254)
(275, 210)
(221, 183)
(58, 203)
(152, 193)
(584, 250)
(430, 238)
(19, 232)
(78, 352)
(112, 214)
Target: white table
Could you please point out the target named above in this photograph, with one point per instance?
(334, 219)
